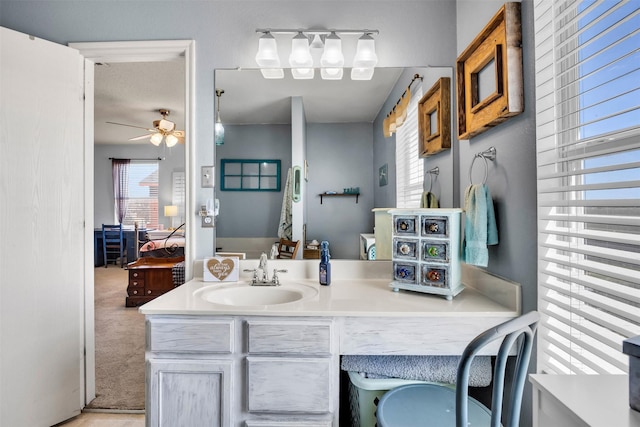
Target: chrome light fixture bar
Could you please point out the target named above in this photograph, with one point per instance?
(324, 52)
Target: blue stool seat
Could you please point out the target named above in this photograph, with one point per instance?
(416, 405)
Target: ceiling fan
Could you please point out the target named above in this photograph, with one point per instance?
(162, 129)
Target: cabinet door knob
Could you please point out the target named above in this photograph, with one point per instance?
(135, 274)
(148, 292)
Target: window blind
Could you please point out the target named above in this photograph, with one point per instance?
(409, 165)
(587, 56)
(178, 192)
(142, 204)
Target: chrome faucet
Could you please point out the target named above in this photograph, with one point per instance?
(261, 274)
(262, 265)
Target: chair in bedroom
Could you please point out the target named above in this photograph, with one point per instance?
(439, 405)
(112, 244)
(287, 249)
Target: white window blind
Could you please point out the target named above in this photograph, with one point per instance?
(142, 202)
(588, 153)
(178, 193)
(409, 165)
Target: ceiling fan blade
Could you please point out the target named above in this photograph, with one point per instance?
(131, 126)
(137, 138)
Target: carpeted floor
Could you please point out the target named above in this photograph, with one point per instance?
(120, 341)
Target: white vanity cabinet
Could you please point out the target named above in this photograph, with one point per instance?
(242, 371)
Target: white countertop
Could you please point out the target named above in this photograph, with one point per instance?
(596, 400)
(358, 288)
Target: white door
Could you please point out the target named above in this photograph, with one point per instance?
(41, 231)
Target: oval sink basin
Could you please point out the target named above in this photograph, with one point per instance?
(245, 295)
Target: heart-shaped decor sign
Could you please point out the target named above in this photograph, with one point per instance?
(219, 269)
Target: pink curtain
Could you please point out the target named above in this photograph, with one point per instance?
(120, 173)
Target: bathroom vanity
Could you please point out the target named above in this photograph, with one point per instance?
(211, 361)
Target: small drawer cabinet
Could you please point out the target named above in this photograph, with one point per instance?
(426, 251)
(149, 277)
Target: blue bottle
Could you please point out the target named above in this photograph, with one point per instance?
(325, 265)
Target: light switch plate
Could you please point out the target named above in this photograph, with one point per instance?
(207, 177)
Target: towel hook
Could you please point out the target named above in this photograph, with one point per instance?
(431, 172)
(488, 154)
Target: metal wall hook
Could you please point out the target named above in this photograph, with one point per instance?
(431, 172)
(488, 154)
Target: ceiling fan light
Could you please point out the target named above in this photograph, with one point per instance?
(365, 53)
(166, 125)
(171, 140)
(362, 73)
(156, 139)
(267, 55)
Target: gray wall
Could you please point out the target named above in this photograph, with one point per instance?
(252, 213)
(512, 176)
(173, 161)
(341, 156)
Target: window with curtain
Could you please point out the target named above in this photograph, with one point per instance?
(142, 194)
(588, 154)
(409, 165)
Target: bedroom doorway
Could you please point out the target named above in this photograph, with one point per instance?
(157, 52)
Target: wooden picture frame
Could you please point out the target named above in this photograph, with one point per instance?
(435, 107)
(498, 46)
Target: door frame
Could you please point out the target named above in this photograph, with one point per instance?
(131, 51)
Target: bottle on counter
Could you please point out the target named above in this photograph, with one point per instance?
(325, 265)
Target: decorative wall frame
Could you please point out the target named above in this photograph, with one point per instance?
(499, 45)
(434, 119)
(250, 175)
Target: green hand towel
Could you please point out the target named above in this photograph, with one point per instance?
(429, 200)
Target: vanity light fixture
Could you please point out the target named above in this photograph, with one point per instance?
(300, 59)
(365, 59)
(332, 59)
(324, 52)
(267, 57)
(219, 129)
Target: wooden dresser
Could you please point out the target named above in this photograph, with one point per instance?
(148, 278)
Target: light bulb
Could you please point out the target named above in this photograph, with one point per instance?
(156, 139)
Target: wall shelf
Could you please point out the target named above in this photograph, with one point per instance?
(356, 195)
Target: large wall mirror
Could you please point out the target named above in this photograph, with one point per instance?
(328, 132)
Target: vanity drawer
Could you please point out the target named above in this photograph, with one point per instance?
(190, 336)
(286, 384)
(276, 337)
